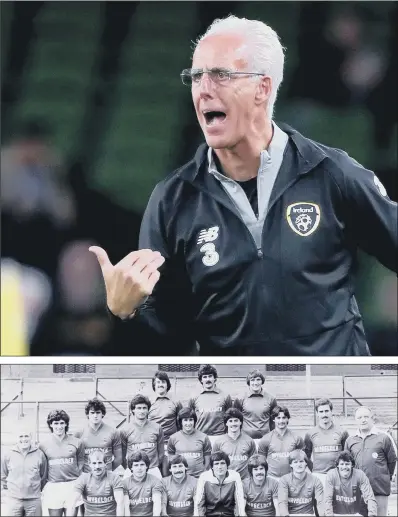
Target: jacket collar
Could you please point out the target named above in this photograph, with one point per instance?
(310, 154)
(17, 449)
(374, 431)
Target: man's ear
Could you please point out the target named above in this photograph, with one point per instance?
(263, 91)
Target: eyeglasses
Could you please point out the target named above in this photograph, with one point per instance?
(193, 76)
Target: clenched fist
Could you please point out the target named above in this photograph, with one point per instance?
(130, 281)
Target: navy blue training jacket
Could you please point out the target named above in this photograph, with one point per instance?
(294, 295)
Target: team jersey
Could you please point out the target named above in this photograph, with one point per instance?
(239, 451)
(105, 439)
(297, 496)
(164, 412)
(210, 407)
(65, 458)
(256, 410)
(260, 499)
(343, 496)
(140, 494)
(325, 445)
(179, 497)
(276, 449)
(148, 438)
(194, 447)
(98, 494)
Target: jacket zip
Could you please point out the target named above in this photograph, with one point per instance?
(260, 253)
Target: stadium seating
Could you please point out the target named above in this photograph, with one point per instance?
(7, 10)
(347, 129)
(58, 73)
(283, 21)
(145, 125)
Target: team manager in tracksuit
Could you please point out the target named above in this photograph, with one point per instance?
(252, 244)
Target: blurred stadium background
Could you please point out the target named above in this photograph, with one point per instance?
(29, 392)
(94, 114)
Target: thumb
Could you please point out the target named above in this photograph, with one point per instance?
(101, 255)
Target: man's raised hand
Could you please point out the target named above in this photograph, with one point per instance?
(130, 281)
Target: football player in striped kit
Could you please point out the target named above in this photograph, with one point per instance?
(179, 489)
(277, 444)
(260, 490)
(325, 441)
(299, 490)
(164, 410)
(211, 404)
(101, 489)
(344, 487)
(142, 490)
(143, 435)
(98, 435)
(256, 406)
(190, 443)
(65, 455)
(238, 445)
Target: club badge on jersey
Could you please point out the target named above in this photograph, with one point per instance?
(210, 257)
(303, 217)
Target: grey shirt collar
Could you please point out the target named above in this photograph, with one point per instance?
(273, 154)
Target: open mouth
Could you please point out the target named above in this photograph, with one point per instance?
(214, 117)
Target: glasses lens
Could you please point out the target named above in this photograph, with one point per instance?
(186, 77)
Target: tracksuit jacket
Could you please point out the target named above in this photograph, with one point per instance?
(24, 475)
(376, 456)
(215, 499)
(293, 294)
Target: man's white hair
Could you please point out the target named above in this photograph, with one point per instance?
(263, 51)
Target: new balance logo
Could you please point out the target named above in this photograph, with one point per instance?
(211, 257)
(208, 235)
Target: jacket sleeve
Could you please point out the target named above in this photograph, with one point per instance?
(371, 216)
(367, 494)
(239, 497)
(43, 469)
(390, 454)
(200, 502)
(166, 317)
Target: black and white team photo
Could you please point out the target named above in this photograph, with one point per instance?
(198, 440)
